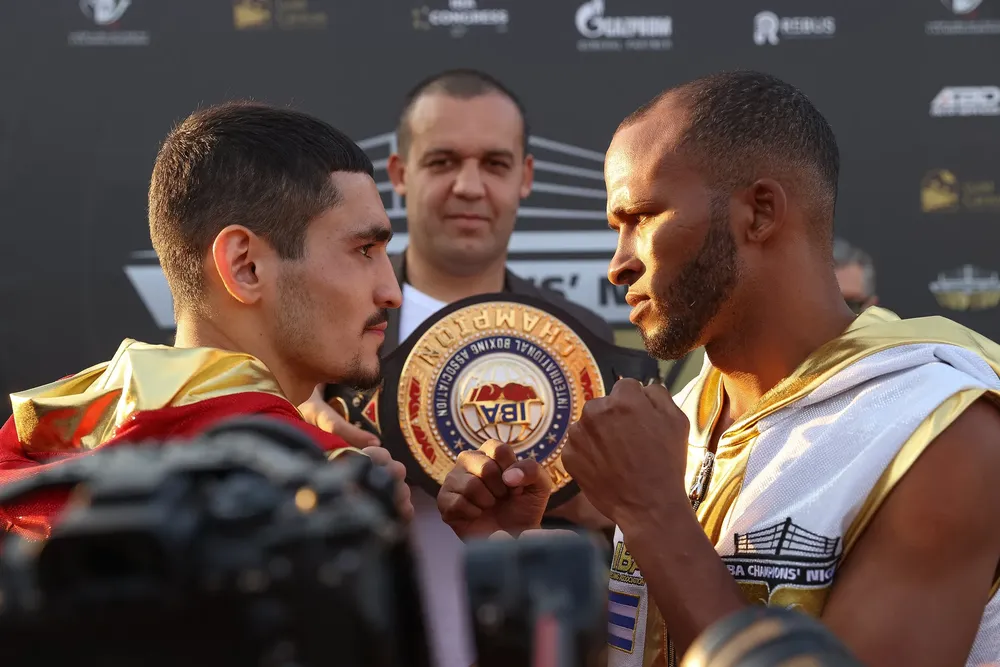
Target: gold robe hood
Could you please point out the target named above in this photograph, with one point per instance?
(84, 410)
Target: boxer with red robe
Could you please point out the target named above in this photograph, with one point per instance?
(272, 236)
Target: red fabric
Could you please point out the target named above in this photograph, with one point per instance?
(33, 516)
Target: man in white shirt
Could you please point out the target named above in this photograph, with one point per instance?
(463, 166)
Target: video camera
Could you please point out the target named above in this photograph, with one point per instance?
(239, 548)
(244, 547)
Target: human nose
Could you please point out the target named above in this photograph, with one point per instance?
(469, 182)
(387, 292)
(625, 267)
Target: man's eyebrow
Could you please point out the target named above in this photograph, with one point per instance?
(630, 208)
(620, 212)
(449, 152)
(373, 233)
(500, 152)
(438, 152)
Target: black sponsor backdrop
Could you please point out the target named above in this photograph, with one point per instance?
(80, 126)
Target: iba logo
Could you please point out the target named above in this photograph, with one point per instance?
(624, 568)
(501, 371)
(941, 191)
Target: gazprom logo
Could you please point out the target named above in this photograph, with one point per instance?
(592, 23)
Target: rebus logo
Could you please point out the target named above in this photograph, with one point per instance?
(769, 28)
(765, 28)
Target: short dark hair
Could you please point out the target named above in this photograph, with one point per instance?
(743, 122)
(243, 163)
(461, 83)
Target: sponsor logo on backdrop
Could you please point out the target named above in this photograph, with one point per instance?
(107, 31)
(769, 29)
(967, 101)
(941, 191)
(965, 20)
(604, 32)
(282, 14)
(967, 288)
(562, 240)
(460, 17)
(962, 6)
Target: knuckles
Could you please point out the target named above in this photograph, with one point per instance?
(465, 460)
(449, 505)
(627, 387)
(397, 470)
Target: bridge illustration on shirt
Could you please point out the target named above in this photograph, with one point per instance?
(561, 240)
(785, 538)
(785, 565)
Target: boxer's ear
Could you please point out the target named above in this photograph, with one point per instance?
(234, 262)
(396, 168)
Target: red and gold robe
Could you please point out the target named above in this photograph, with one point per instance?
(144, 392)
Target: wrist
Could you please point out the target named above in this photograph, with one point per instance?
(654, 523)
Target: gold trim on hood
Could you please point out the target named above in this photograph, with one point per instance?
(84, 410)
(875, 330)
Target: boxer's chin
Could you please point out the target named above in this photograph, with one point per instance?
(363, 376)
(671, 340)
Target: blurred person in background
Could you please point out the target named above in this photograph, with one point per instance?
(272, 236)
(855, 275)
(463, 167)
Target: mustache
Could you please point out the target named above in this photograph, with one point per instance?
(378, 318)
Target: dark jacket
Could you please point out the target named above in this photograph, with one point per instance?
(514, 284)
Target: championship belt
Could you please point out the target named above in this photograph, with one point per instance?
(507, 367)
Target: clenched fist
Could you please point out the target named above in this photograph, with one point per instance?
(628, 451)
(489, 490)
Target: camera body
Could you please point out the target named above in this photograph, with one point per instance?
(244, 547)
(538, 600)
(238, 548)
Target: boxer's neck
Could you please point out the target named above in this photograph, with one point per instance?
(778, 325)
(451, 286)
(195, 331)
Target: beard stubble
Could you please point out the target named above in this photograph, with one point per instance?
(698, 292)
(297, 337)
